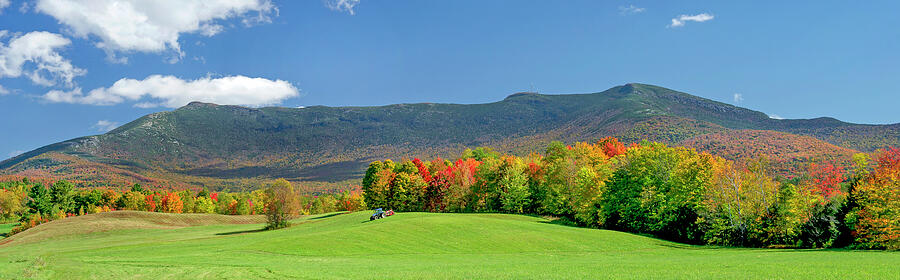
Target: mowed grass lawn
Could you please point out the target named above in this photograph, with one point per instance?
(5, 229)
(408, 245)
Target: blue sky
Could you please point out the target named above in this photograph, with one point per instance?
(70, 69)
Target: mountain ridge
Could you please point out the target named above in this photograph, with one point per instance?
(208, 144)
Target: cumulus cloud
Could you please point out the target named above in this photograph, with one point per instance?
(3, 90)
(105, 125)
(172, 92)
(342, 5)
(630, 10)
(150, 26)
(3, 5)
(738, 98)
(682, 19)
(36, 56)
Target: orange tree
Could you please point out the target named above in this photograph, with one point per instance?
(875, 221)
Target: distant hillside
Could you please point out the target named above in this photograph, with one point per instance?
(230, 146)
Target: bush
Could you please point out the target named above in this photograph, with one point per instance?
(29, 221)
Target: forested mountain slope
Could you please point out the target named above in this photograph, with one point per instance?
(232, 146)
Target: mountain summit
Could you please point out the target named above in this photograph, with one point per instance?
(222, 146)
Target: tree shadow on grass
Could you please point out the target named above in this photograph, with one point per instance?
(241, 232)
(561, 221)
(329, 215)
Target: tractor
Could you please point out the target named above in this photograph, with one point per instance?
(379, 214)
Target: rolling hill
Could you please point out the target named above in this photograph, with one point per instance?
(237, 147)
(134, 245)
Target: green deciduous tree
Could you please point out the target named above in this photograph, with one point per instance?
(516, 195)
(205, 205)
(132, 200)
(61, 194)
(39, 201)
(659, 190)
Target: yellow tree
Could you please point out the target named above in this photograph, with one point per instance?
(876, 219)
(282, 204)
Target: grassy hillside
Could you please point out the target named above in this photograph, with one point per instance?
(408, 245)
(220, 146)
(124, 220)
(5, 229)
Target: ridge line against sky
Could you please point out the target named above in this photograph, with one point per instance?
(70, 68)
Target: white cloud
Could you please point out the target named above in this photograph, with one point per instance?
(3, 90)
(25, 7)
(774, 116)
(342, 5)
(15, 153)
(200, 59)
(630, 10)
(680, 20)
(36, 55)
(105, 125)
(738, 98)
(150, 26)
(172, 92)
(3, 5)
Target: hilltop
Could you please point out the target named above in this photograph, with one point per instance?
(231, 146)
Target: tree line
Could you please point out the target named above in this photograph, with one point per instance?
(674, 193)
(33, 203)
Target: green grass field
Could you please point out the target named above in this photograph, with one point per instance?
(5, 229)
(126, 245)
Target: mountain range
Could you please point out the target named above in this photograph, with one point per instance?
(328, 148)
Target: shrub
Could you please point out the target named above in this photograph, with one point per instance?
(29, 221)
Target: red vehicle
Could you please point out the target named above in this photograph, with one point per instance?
(381, 214)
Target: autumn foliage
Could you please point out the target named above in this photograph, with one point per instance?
(612, 147)
(281, 205)
(32, 203)
(674, 193)
(876, 219)
(171, 203)
(826, 179)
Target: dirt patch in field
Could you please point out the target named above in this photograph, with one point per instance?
(119, 220)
